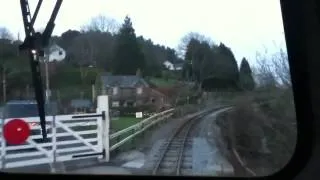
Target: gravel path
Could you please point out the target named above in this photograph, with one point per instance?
(110, 170)
(207, 158)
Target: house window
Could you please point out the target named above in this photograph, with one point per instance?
(115, 103)
(115, 91)
(104, 91)
(125, 104)
(139, 90)
(130, 104)
(139, 102)
(153, 100)
(127, 92)
(109, 91)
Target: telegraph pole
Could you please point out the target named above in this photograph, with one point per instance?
(47, 82)
(4, 84)
(46, 63)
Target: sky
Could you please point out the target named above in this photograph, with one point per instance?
(246, 26)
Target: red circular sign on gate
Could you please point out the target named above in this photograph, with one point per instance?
(16, 131)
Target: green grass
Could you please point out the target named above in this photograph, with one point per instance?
(160, 82)
(124, 122)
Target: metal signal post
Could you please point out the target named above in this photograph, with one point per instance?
(34, 43)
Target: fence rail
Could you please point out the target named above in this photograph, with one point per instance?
(139, 128)
(145, 124)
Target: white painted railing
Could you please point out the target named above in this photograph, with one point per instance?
(138, 128)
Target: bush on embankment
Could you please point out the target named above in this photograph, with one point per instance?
(264, 136)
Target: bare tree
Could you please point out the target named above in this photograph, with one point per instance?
(264, 72)
(5, 33)
(281, 67)
(182, 47)
(272, 69)
(103, 24)
(85, 53)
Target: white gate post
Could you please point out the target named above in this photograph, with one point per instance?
(3, 145)
(103, 107)
(54, 144)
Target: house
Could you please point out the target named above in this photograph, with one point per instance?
(173, 66)
(130, 91)
(169, 65)
(55, 53)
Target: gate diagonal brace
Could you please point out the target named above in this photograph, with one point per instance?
(103, 116)
(44, 151)
(76, 135)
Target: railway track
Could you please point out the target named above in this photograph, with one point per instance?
(175, 157)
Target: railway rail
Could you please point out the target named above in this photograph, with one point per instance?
(175, 156)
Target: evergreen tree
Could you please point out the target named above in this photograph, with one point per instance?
(246, 79)
(128, 57)
(226, 63)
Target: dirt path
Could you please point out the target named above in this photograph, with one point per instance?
(210, 133)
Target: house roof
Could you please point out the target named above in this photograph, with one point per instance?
(81, 103)
(122, 81)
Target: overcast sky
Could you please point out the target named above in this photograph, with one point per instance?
(244, 25)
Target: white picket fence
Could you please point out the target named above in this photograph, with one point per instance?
(72, 137)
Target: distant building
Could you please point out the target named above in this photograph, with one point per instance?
(56, 53)
(131, 90)
(173, 67)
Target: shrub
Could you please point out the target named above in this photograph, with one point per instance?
(248, 124)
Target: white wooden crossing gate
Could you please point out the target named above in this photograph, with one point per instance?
(70, 137)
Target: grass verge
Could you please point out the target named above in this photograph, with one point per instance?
(124, 122)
